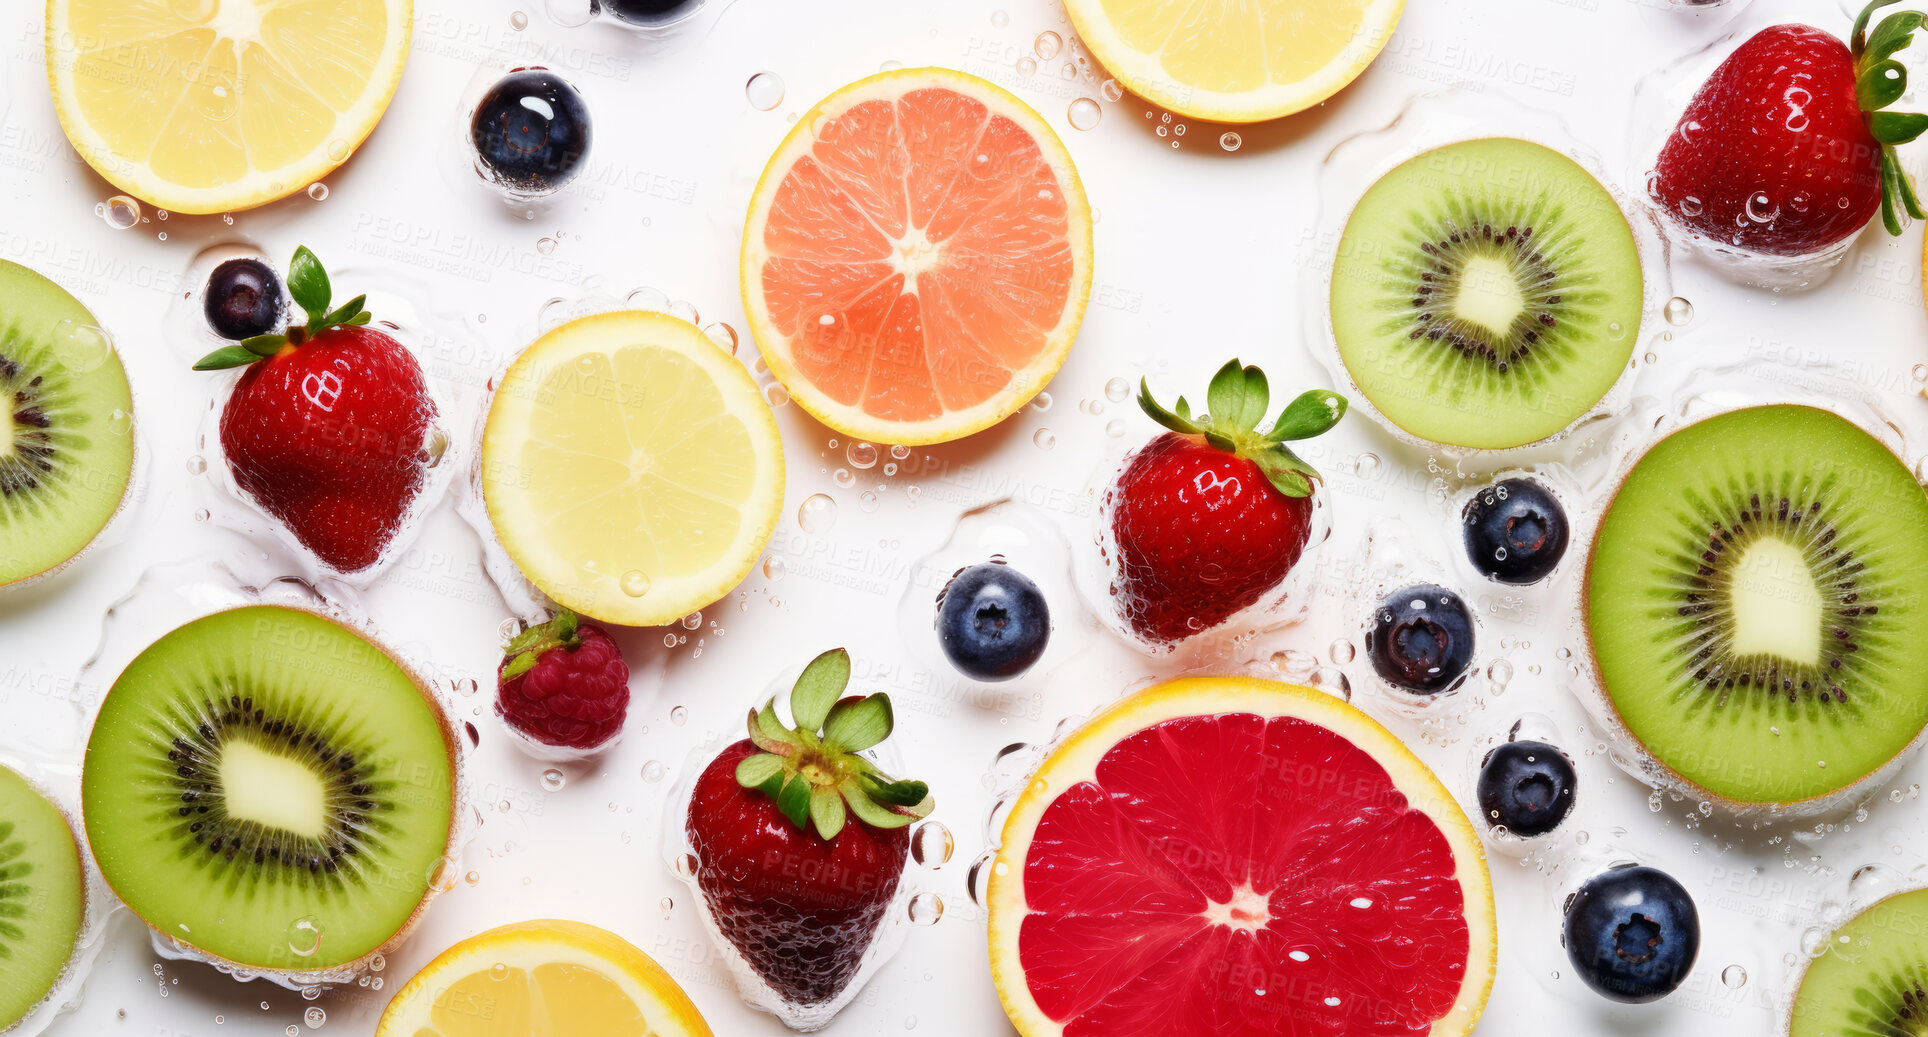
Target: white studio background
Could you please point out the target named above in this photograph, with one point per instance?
(1201, 255)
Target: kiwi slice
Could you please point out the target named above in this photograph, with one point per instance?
(266, 786)
(1754, 603)
(42, 897)
(1487, 293)
(1873, 979)
(66, 437)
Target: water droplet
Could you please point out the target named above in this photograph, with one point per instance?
(1654, 802)
(1115, 428)
(1734, 977)
(441, 874)
(518, 21)
(472, 877)
(552, 779)
(867, 501)
(498, 972)
(304, 936)
(314, 1017)
(1690, 206)
(1047, 45)
(1330, 679)
(679, 716)
(1027, 66)
(1499, 674)
(1761, 209)
(1112, 91)
(1294, 663)
(1084, 113)
(635, 583)
(723, 335)
(1117, 389)
(926, 909)
(1000, 19)
(861, 455)
(1041, 402)
(80, 347)
(654, 771)
(1342, 651)
(686, 865)
(119, 422)
(1044, 439)
(817, 514)
(546, 246)
(775, 395)
(197, 465)
(1679, 311)
(318, 192)
(931, 844)
(119, 212)
(765, 91)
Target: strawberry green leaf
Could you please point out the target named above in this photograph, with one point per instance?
(348, 311)
(1225, 398)
(770, 735)
(1908, 199)
(1257, 398)
(226, 357)
(826, 811)
(1880, 85)
(359, 319)
(856, 726)
(1283, 469)
(1893, 34)
(1889, 171)
(794, 800)
(264, 345)
(895, 793)
(308, 283)
(1180, 422)
(822, 684)
(871, 812)
(1896, 127)
(1312, 414)
(753, 772)
(1858, 40)
(1221, 441)
(520, 665)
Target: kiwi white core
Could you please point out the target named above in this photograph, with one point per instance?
(1775, 605)
(1489, 295)
(272, 790)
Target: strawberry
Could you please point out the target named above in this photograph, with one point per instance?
(1785, 150)
(564, 686)
(326, 427)
(1209, 517)
(796, 882)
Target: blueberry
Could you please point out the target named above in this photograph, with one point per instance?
(649, 12)
(243, 299)
(531, 131)
(1516, 531)
(1632, 934)
(1526, 786)
(992, 622)
(1421, 639)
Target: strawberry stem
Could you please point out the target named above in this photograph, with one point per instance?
(1880, 80)
(1238, 398)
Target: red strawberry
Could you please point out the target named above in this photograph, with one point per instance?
(1210, 516)
(1784, 150)
(797, 885)
(564, 684)
(326, 426)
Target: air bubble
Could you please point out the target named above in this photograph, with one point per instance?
(546, 246)
(764, 90)
(552, 779)
(861, 455)
(318, 192)
(926, 909)
(304, 936)
(1734, 977)
(314, 1017)
(1084, 113)
(1047, 45)
(1230, 141)
(1027, 66)
(931, 844)
(1341, 651)
(119, 212)
(654, 771)
(1679, 311)
(1044, 439)
(817, 514)
(635, 583)
(679, 716)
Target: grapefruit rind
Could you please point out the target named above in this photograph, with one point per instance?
(1145, 74)
(1076, 760)
(774, 345)
(665, 1007)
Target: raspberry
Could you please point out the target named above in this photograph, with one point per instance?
(564, 684)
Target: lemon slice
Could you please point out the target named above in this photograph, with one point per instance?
(206, 106)
(631, 468)
(542, 979)
(1235, 60)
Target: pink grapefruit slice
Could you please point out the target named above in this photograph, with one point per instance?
(917, 257)
(1230, 857)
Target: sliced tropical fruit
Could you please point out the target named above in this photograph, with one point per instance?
(1231, 856)
(631, 468)
(544, 978)
(1872, 981)
(214, 105)
(917, 257)
(1235, 60)
(42, 897)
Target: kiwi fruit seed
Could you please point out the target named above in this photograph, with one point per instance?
(1486, 294)
(267, 787)
(1754, 604)
(1873, 980)
(42, 897)
(66, 426)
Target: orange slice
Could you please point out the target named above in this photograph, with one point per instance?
(1242, 858)
(917, 257)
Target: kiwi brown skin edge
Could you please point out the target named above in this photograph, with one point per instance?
(1838, 801)
(344, 971)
